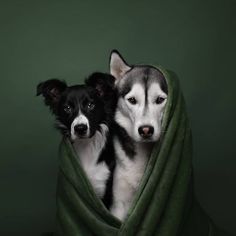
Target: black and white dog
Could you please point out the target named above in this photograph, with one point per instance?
(84, 114)
(142, 94)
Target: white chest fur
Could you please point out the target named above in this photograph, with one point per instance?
(127, 177)
(88, 151)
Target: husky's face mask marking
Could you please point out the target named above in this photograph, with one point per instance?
(142, 97)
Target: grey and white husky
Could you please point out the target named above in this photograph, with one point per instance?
(142, 94)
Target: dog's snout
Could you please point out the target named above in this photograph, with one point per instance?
(81, 129)
(146, 131)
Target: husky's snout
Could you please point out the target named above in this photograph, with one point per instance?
(146, 131)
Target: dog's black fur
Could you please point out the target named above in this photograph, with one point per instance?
(97, 93)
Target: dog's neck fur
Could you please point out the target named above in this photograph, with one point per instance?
(93, 145)
(88, 151)
(131, 148)
(129, 171)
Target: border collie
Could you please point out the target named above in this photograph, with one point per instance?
(84, 114)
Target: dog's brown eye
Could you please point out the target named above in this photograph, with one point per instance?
(67, 109)
(132, 100)
(91, 105)
(160, 100)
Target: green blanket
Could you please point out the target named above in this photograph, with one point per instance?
(164, 203)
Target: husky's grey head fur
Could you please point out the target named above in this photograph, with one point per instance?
(142, 95)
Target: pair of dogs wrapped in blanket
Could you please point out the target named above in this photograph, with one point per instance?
(164, 204)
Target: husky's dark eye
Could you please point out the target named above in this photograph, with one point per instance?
(160, 100)
(132, 100)
(91, 105)
(67, 109)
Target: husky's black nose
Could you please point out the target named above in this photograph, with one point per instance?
(146, 131)
(81, 129)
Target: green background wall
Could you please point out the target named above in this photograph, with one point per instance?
(70, 39)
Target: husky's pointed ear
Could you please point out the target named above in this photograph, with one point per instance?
(118, 66)
(51, 90)
(103, 83)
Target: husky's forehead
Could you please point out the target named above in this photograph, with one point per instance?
(144, 75)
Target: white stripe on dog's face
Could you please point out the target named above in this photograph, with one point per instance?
(145, 111)
(79, 120)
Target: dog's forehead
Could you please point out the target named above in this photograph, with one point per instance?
(79, 93)
(137, 89)
(144, 75)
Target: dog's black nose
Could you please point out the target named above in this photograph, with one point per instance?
(81, 129)
(146, 131)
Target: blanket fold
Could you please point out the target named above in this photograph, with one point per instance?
(164, 204)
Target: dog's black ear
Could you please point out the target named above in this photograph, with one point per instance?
(51, 90)
(104, 84)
